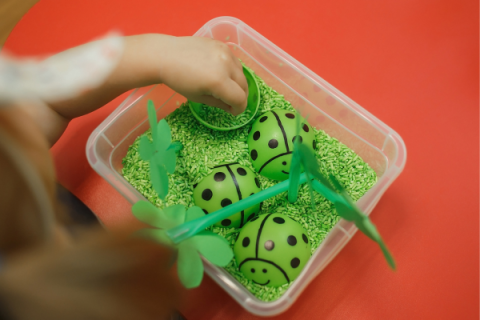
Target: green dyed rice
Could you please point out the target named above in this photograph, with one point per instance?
(222, 119)
(204, 148)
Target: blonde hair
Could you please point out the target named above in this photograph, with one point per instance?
(47, 274)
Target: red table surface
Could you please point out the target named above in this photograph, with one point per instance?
(413, 64)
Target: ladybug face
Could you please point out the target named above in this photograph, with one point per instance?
(264, 273)
(228, 183)
(272, 249)
(270, 142)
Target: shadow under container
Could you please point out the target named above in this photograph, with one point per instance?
(328, 109)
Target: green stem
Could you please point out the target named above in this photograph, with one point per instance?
(191, 228)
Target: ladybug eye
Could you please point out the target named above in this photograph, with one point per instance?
(253, 270)
(269, 245)
(246, 242)
(264, 270)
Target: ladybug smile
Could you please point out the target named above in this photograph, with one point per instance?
(262, 284)
(285, 172)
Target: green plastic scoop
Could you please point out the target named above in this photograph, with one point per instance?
(252, 105)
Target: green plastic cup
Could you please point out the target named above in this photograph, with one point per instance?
(252, 105)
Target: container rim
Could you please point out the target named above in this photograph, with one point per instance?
(348, 229)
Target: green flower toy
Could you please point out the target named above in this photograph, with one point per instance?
(211, 246)
(161, 153)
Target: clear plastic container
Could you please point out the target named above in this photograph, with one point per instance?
(330, 110)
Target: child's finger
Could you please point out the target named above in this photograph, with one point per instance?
(233, 95)
(213, 102)
(239, 78)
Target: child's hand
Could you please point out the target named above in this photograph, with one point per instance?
(204, 70)
(201, 69)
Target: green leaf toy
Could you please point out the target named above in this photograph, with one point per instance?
(344, 205)
(161, 152)
(211, 246)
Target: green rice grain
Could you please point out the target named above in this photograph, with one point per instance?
(204, 148)
(222, 119)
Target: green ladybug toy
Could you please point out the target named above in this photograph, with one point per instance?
(228, 183)
(272, 249)
(270, 142)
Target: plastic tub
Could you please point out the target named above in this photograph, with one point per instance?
(330, 110)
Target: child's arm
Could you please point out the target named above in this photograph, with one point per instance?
(201, 69)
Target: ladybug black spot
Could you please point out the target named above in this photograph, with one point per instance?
(246, 242)
(252, 193)
(295, 262)
(256, 135)
(269, 245)
(254, 219)
(262, 119)
(219, 176)
(226, 222)
(264, 270)
(195, 185)
(314, 145)
(290, 115)
(273, 143)
(252, 270)
(299, 137)
(257, 182)
(207, 194)
(241, 171)
(304, 237)
(226, 202)
(206, 212)
(284, 163)
(250, 217)
(254, 154)
(292, 240)
(305, 127)
(279, 220)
